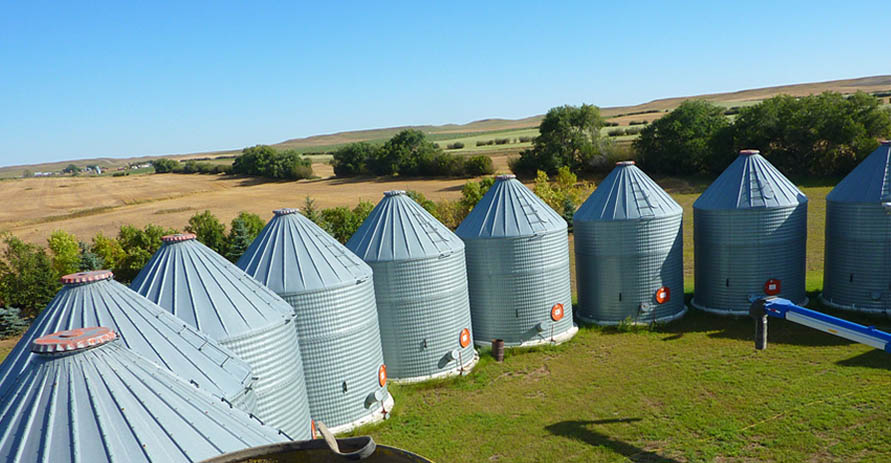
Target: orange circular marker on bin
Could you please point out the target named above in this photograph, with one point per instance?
(464, 339)
(382, 375)
(663, 295)
(557, 312)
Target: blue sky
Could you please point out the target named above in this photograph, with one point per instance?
(119, 78)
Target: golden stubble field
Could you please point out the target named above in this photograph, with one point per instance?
(35, 207)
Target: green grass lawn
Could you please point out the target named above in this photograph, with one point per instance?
(693, 390)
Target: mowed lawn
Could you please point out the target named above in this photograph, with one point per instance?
(693, 390)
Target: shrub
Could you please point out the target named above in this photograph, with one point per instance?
(633, 130)
(564, 192)
(615, 132)
(681, 142)
(65, 252)
(475, 166)
(11, 322)
(526, 139)
(209, 230)
(120, 174)
(502, 141)
(137, 247)
(637, 122)
(264, 161)
(455, 146)
(350, 160)
(164, 166)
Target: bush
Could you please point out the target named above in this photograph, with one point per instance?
(681, 142)
(633, 130)
(11, 322)
(120, 174)
(615, 132)
(264, 161)
(136, 246)
(475, 166)
(564, 193)
(455, 146)
(164, 166)
(637, 122)
(350, 160)
(502, 141)
(209, 230)
(526, 139)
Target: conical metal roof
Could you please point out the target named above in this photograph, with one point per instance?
(292, 255)
(94, 299)
(400, 229)
(85, 397)
(750, 182)
(207, 291)
(869, 182)
(509, 209)
(627, 194)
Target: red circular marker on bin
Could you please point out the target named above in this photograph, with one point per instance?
(72, 340)
(557, 312)
(663, 295)
(773, 287)
(464, 338)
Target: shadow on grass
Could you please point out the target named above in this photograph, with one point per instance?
(581, 430)
(872, 359)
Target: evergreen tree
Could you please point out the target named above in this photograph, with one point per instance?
(11, 322)
(89, 260)
(239, 239)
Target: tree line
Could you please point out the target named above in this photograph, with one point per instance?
(819, 135)
(258, 161)
(408, 154)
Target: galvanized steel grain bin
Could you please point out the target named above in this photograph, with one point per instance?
(332, 293)
(629, 251)
(85, 397)
(857, 273)
(750, 231)
(94, 299)
(213, 295)
(517, 253)
(420, 283)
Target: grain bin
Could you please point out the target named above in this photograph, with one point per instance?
(517, 253)
(213, 295)
(750, 231)
(94, 298)
(420, 283)
(85, 397)
(629, 251)
(857, 273)
(332, 293)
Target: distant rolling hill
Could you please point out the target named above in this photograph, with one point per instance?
(327, 142)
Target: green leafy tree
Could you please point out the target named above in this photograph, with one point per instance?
(825, 134)
(264, 161)
(563, 190)
(472, 192)
(110, 251)
(163, 165)
(350, 160)
(422, 200)
(65, 252)
(407, 153)
(342, 222)
(568, 136)
(209, 230)
(138, 246)
(27, 278)
(683, 142)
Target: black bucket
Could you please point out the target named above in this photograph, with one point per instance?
(326, 450)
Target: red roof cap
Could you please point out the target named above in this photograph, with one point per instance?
(626, 163)
(285, 211)
(87, 277)
(749, 152)
(72, 340)
(176, 238)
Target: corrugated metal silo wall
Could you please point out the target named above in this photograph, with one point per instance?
(738, 250)
(271, 354)
(422, 307)
(514, 282)
(620, 265)
(858, 256)
(339, 350)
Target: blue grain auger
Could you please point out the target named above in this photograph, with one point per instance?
(783, 308)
